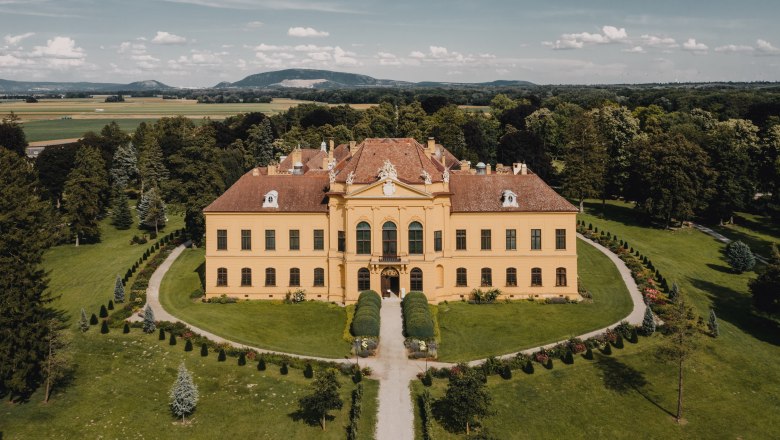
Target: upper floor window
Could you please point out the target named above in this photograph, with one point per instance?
(460, 277)
(270, 276)
(560, 239)
(460, 240)
(389, 239)
(221, 239)
(319, 277)
(511, 277)
(222, 276)
(270, 240)
(560, 276)
(342, 241)
(363, 238)
(486, 279)
(246, 239)
(319, 239)
(295, 277)
(246, 276)
(415, 238)
(536, 238)
(437, 241)
(416, 279)
(364, 279)
(511, 239)
(486, 239)
(295, 239)
(536, 276)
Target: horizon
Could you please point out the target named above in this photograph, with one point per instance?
(199, 43)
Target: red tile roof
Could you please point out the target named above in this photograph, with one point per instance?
(304, 193)
(406, 154)
(482, 193)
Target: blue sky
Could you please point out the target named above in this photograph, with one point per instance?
(193, 43)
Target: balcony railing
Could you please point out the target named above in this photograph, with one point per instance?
(389, 259)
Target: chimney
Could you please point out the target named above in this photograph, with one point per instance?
(517, 168)
(524, 170)
(296, 155)
(465, 165)
(481, 169)
(298, 169)
(487, 169)
(431, 146)
(352, 147)
(331, 144)
(272, 169)
(256, 171)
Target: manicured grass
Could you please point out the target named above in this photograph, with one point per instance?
(84, 276)
(311, 328)
(74, 128)
(120, 390)
(470, 331)
(759, 232)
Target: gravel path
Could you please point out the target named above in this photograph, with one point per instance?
(391, 366)
(723, 239)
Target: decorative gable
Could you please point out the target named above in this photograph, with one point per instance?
(271, 199)
(508, 199)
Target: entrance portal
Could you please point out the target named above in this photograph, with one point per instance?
(390, 282)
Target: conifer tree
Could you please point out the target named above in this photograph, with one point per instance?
(58, 359)
(648, 323)
(739, 256)
(149, 324)
(119, 290)
(126, 328)
(104, 327)
(184, 394)
(12, 135)
(161, 335)
(93, 320)
(204, 350)
(150, 165)
(172, 339)
(121, 217)
(188, 345)
(83, 322)
(674, 292)
(154, 211)
(124, 166)
(111, 304)
(766, 287)
(24, 303)
(713, 324)
(83, 194)
(222, 356)
(324, 397)
(103, 311)
(261, 364)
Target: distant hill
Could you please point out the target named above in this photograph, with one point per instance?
(7, 86)
(327, 79)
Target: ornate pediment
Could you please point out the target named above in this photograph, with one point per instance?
(389, 189)
(387, 171)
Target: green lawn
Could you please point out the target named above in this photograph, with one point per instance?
(120, 390)
(731, 383)
(759, 232)
(74, 128)
(470, 331)
(311, 328)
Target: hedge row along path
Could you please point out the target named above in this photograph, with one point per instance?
(391, 367)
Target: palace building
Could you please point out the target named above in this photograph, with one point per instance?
(391, 215)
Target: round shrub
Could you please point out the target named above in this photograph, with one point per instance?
(222, 356)
(365, 325)
(204, 350)
(284, 370)
(506, 372)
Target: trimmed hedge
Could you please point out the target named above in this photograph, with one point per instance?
(366, 319)
(418, 321)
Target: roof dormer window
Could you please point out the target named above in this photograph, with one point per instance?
(271, 199)
(509, 199)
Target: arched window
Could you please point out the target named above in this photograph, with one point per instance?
(416, 280)
(222, 276)
(560, 276)
(363, 238)
(415, 238)
(295, 277)
(487, 277)
(364, 279)
(246, 276)
(536, 276)
(511, 277)
(389, 239)
(270, 276)
(319, 277)
(460, 277)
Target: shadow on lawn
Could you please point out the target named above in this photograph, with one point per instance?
(309, 417)
(201, 270)
(737, 308)
(623, 379)
(721, 268)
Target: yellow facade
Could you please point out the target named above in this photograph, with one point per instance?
(425, 204)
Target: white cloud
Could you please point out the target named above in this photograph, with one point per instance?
(634, 49)
(614, 34)
(254, 24)
(60, 52)
(343, 57)
(656, 41)
(319, 56)
(306, 32)
(438, 51)
(734, 48)
(693, 46)
(163, 37)
(267, 48)
(14, 40)
(312, 48)
(199, 59)
(267, 60)
(766, 47)
(13, 61)
(132, 48)
(502, 71)
(417, 54)
(609, 34)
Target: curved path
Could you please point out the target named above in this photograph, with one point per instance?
(391, 366)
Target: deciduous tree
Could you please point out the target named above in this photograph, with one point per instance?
(766, 287)
(12, 135)
(324, 397)
(467, 398)
(585, 157)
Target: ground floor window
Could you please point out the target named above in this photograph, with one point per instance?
(560, 276)
(246, 276)
(460, 277)
(222, 276)
(536, 276)
(511, 277)
(270, 276)
(364, 279)
(319, 277)
(295, 277)
(486, 280)
(416, 280)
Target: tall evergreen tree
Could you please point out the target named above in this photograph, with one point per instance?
(54, 165)
(260, 143)
(184, 394)
(24, 303)
(12, 135)
(739, 256)
(58, 358)
(585, 156)
(324, 396)
(151, 166)
(154, 215)
(467, 397)
(83, 322)
(766, 287)
(149, 324)
(648, 323)
(119, 290)
(86, 183)
(124, 166)
(121, 217)
(713, 325)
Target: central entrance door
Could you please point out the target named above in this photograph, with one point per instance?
(390, 282)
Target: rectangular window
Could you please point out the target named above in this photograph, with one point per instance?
(221, 239)
(536, 277)
(246, 239)
(246, 276)
(486, 239)
(319, 277)
(560, 277)
(342, 241)
(415, 241)
(221, 276)
(536, 239)
(363, 240)
(437, 241)
(295, 240)
(460, 277)
(560, 239)
(487, 277)
(319, 239)
(460, 240)
(270, 276)
(511, 239)
(270, 240)
(511, 277)
(295, 277)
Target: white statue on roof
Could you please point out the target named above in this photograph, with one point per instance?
(323, 146)
(387, 171)
(332, 175)
(350, 177)
(426, 177)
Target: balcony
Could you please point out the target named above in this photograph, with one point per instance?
(389, 259)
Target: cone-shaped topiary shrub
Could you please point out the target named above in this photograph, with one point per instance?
(222, 356)
(204, 350)
(528, 368)
(648, 323)
(506, 372)
(111, 304)
(633, 337)
(103, 312)
(549, 364)
(242, 359)
(162, 334)
(126, 328)
(607, 349)
(588, 354)
(568, 358)
(427, 378)
(172, 339)
(308, 372)
(188, 345)
(261, 364)
(283, 370)
(93, 320)
(619, 341)
(104, 327)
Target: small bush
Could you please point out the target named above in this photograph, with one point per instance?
(739, 256)
(126, 328)
(204, 350)
(357, 377)
(427, 378)
(308, 371)
(162, 334)
(261, 364)
(568, 358)
(104, 327)
(222, 356)
(172, 339)
(93, 320)
(103, 312)
(283, 369)
(110, 304)
(241, 359)
(506, 372)
(588, 354)
(529, 367)
(607, 349)
(188, 345)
